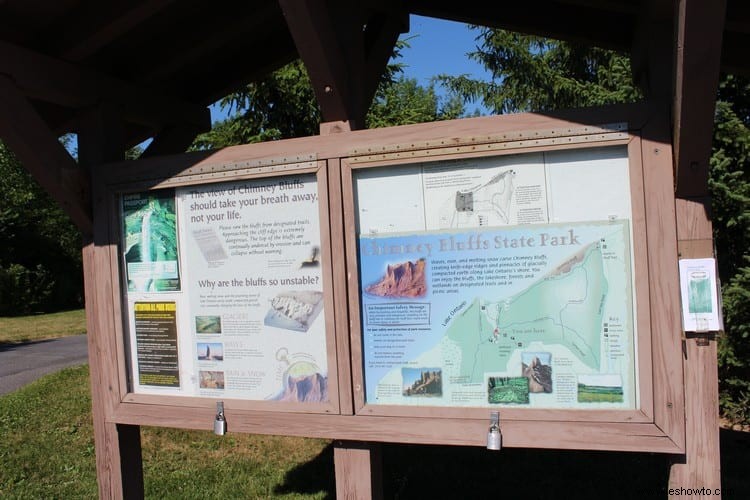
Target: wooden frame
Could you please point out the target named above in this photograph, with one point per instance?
(116, 188)
(644, 412)
(658, 426)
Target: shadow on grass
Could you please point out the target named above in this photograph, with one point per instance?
(11, 346)
(311, 477)
(411, 471)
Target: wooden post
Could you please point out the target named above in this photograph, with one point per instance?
(358, 465)
(700, 466)
(359, 471)
(118, 447)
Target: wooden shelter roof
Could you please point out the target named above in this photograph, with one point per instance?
(161, 62)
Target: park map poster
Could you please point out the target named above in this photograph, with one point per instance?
(249, 301)
(492, 290)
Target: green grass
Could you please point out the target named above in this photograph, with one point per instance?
(596, 394)
(46, 442)
(47, 451)
(42, 326)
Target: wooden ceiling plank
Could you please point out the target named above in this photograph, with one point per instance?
(697, 65)
(218, 35)
(52, 80)
(40, 152)
(578, 24)
(104, 23)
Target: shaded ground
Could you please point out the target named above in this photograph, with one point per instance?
(462, 472)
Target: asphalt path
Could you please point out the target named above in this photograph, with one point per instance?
(21, 364)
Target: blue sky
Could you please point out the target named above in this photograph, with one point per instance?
(440, 47)
(436, 47)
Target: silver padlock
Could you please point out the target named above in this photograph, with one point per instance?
(494, 437)
(220, 422)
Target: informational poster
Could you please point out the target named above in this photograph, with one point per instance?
(150, 241)
(700, 297)
(251, 323)
(156, 338)
(485, 297)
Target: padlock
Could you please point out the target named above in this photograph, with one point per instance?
(220, 422)
(494, 437)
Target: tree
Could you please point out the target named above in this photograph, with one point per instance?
(537, 74)
(40, 263)
(531, 73)
(405, 102)
(730, 192)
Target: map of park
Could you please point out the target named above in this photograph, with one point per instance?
(564, 307)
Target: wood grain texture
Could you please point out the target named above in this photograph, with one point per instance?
(699, 30)
(694, 219)
(340, 308)
(700, 465)
(359, 470)
(118, 446)
(664, 287)
(417, 430)
(643, 309)
(328, 256)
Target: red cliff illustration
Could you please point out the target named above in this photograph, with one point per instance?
(406, 279)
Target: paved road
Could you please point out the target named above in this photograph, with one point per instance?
(21, 364)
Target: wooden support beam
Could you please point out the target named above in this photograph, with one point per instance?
(345, 52)
(65, 84)
(381, 35)
(700, 466)
(118, 446)
(700, 25)
(173, 139)
(651, 53)
(359, 470)
(41, 153)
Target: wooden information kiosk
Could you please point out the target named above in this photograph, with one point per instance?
(402, 285)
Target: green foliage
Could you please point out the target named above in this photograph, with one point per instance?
(24, 290)
(405, 102)
(538, 74)
(730, 192)
(40, 262)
